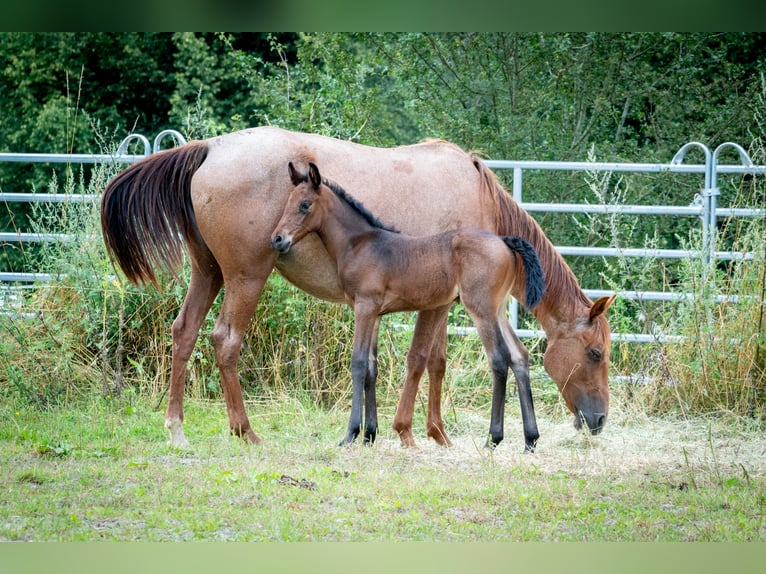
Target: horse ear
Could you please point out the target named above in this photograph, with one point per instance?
(600, 306)
(295, 177)
(314, 177)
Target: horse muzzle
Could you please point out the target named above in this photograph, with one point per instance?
(594, 421)
(281, 242)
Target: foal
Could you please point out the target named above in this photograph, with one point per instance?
(382, 271)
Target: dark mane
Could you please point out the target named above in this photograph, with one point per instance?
(357, 206)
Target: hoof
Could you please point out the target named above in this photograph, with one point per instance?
(347, 441)
(405, 436)
(439, 436)
(247, 435)
(175, 429)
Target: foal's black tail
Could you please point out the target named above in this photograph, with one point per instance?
(147, 213)
(532, 270)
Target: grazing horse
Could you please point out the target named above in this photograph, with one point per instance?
(220, 199)
(382, 271)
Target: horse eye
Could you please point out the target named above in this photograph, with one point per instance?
(595, 354)
(304, 207)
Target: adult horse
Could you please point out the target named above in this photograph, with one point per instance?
(220, 199)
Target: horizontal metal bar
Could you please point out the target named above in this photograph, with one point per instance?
(48, 197)
(656, 295)
(17, 237)
(539, 334)
(11, 277)
(68, 158)
(594, 166)
(613, 209)
(640, 295)
(629, 252)
(645, 252)
(739, 212)
(618, 167)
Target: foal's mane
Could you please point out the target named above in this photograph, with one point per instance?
(357, 206)
(511, 219)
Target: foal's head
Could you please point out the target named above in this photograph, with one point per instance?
(303, 211)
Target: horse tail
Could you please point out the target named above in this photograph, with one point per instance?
(535, 288)
(147, 213)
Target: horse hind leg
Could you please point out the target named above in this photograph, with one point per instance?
(239, 302)
(200, 295)
(417, 360)
(499, 358)
(520, 367)
(437, 367)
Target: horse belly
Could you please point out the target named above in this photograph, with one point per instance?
(309, 267)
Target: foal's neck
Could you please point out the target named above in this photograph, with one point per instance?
(343, 227)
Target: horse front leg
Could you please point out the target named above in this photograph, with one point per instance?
(365, 324)
(370, 401)
(437, 366)
(199, 298)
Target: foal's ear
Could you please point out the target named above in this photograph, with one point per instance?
(314, 177)
(600, 306)
(295, 177)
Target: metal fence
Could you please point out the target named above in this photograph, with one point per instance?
(704, 206)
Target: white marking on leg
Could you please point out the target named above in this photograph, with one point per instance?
(175, 428)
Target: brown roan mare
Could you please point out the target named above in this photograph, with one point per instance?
(220, 199)
(382, 271)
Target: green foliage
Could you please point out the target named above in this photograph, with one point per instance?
(511, 95)
(63, 91)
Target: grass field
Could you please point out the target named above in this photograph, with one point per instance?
(103, 471)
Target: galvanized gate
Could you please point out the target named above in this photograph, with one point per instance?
(703, 206)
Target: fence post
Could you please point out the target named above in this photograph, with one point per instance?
(122, 149)
(180, 140)
(744, 160)
(708, 247)
(514, 305)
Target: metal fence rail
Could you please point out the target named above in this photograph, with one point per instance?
(704, 206)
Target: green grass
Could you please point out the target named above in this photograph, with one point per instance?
(102, 471)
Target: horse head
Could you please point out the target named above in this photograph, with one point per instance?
(577, 359)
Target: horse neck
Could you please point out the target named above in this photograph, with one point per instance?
(564, 301)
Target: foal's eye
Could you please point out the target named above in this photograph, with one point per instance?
(595, 354)
(304, 207)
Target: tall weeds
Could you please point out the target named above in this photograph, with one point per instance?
(708, 353)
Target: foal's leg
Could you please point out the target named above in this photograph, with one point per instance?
(499, 359)
(239, 302)
(199, 297)
(417, 359)
(365, 325)
(520, 368)
(370, 402)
